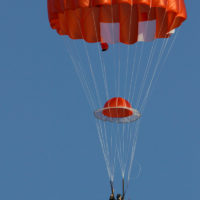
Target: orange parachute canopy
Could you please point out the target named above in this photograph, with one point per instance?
(96, 20)
(117, 110)
(117, 107)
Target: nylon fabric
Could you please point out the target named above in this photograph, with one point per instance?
(81, 19)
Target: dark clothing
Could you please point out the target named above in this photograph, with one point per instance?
(112, 197)
(119, 197)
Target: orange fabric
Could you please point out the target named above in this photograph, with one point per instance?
(117, 112)
(80, 19)
(117, 102)
(117, 107)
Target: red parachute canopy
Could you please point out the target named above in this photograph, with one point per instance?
(117, 110)
(95, 20)
(117, 107)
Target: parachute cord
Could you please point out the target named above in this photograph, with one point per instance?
(141, 50)
(126, 148)
(129, 144)
(108, 150)
(112, 154)
(133, 71)
(93, 78)
(103, 68)
(151, 55)
(82, 79)
(168, 52)
(118, 71)
(119, 149)
(127, 60)
(156, 67)
(154, 73)
(99, 131)
(124, 153)
(151, 81)
(147, 94)
(130, 149)
(115, 156)
(145, 74)
(102, 134)
(114, 49)
(90, 67)
(122, 149)
(104, 150)
(113, 149)
(137, 73)
(130, 140)
(133, 148)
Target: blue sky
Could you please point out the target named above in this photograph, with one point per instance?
(48, 151)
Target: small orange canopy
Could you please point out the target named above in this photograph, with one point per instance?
(117, 107)
(117, 110)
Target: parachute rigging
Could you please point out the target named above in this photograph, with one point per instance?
(126, 72)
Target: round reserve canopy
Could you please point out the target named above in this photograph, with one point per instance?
(117, 110)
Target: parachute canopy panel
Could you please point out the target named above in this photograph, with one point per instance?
(89, 20)
(117, 110)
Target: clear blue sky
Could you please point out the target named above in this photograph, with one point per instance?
(48, 152)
